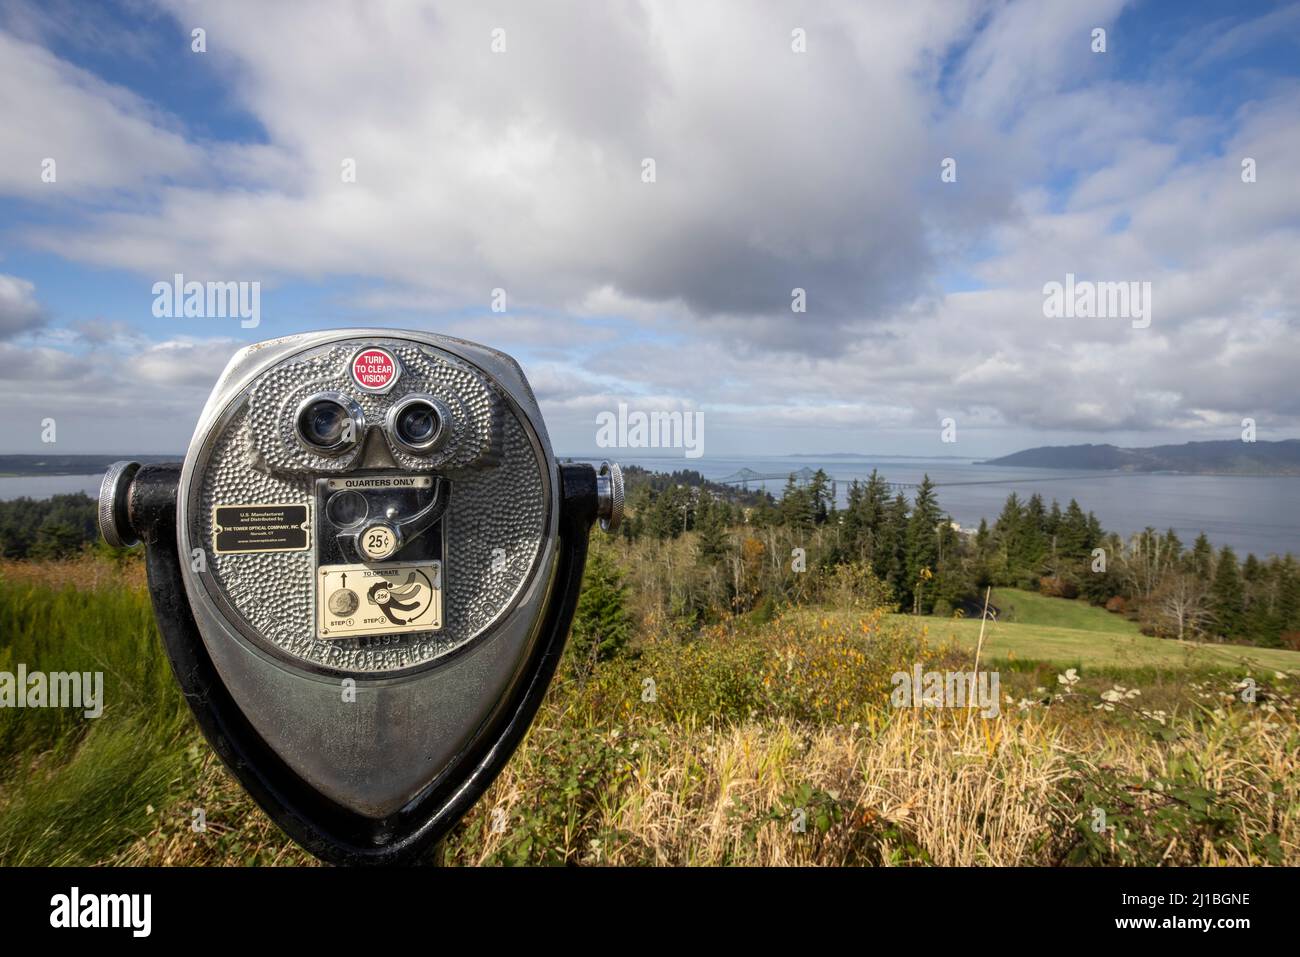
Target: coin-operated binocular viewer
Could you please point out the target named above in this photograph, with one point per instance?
(364, 573)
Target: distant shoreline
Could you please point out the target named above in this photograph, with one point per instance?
(1270, 461)
(26, 466)
(1208, 473)
(1221, 458)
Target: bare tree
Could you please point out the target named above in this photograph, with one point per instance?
(1145, 563)
(1181, 605)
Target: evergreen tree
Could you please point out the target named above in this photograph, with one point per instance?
(764, 514)
(1096, 534)
(875, 504)
(922, 544)
(711, 543)
(796, 506)
(1288, 595)
(1200, 561)
(47, 528)
(1227, 596)
(952, 582)
(890, 562)
(659, 522)
(1033, 547)
(56, 538)
(601, 623)
(1052, 526)
(1173, 546)
(981, 573)
(853, 527)
(1259, 623)
(819, 497)
(1074, 536)
(1007, 535)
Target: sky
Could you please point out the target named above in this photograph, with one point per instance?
(922, 170)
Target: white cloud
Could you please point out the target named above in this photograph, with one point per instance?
(819, 170)
(98, 135)
(523, 169)
(19, 310)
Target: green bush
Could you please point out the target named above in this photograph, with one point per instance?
(601, 623)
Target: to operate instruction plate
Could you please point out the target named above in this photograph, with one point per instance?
(378, 599)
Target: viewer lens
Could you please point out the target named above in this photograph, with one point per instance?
(326, 424)
(417, 423)
(322, 422)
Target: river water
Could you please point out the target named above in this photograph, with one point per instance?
(1259, 514)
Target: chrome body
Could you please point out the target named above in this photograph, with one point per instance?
(368, 729)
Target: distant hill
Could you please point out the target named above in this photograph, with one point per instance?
(1204, 458)
(72, 464)
(871, 456)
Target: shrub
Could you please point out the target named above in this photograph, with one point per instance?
(601, 623)
(1055, 587)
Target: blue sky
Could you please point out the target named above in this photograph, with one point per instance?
(522, 169)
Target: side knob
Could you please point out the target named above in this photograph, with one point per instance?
(114, 520)
(609, 496)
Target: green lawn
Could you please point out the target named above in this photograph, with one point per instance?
(1021, 607)
(1127, 649)
(1065, 632)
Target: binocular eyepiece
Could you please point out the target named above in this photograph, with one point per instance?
(331, 423)
(364, 572)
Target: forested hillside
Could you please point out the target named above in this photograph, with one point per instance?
(747, 554)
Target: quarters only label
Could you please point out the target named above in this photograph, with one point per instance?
(260, 528)
(398, 481)
(378, 599)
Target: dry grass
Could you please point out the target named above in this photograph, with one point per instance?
(87, 572)
(754, 731)
(914, 788)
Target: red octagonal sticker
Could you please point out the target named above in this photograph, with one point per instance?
(375, 370)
